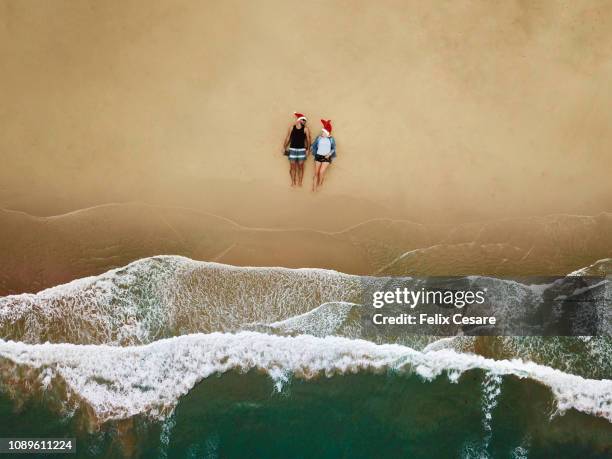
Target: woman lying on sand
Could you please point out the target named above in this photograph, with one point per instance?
(324, 150)
(295, 148)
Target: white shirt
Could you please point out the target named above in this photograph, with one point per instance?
(324, 148)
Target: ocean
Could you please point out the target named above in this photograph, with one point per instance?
(169, 357)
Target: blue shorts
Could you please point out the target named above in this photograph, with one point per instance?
(296, 154)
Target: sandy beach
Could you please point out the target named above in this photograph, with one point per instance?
(450, 113)
(140, 131)
(165, 293)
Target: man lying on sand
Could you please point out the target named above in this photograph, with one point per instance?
(295, 148)
(324, 150)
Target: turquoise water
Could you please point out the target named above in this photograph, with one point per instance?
(172, 358)
(353, 416)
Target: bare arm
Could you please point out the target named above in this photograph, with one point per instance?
(286, 142)
(307, 141)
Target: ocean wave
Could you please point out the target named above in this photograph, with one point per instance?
(601, 268)
(165, 296)
(334, 318)
(114, 383)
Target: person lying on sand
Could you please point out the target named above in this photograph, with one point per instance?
(295, 148)
(324, 150)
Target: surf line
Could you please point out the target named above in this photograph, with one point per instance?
(432, 319)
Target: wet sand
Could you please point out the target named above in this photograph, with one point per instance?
(40, 252)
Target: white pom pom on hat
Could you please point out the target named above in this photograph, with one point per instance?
(327, 126)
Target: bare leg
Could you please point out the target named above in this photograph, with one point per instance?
(293, 171)
(315, 177)
(300, 172)
(321, 174)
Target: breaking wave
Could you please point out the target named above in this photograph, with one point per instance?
(114, 383)
(139, 344)
(166, 296)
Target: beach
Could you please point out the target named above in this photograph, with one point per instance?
(439, 115)
(165, 292)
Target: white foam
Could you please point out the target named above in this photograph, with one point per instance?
(163, 296)
(322, 321)
(598, 268)
(491, 388)
(119, 382)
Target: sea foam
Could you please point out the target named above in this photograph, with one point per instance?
(165, 296)
(115, 383)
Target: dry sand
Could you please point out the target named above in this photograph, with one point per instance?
(473, 137)
(443, 111)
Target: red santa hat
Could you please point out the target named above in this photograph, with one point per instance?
(327, 126)
(299, 116)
